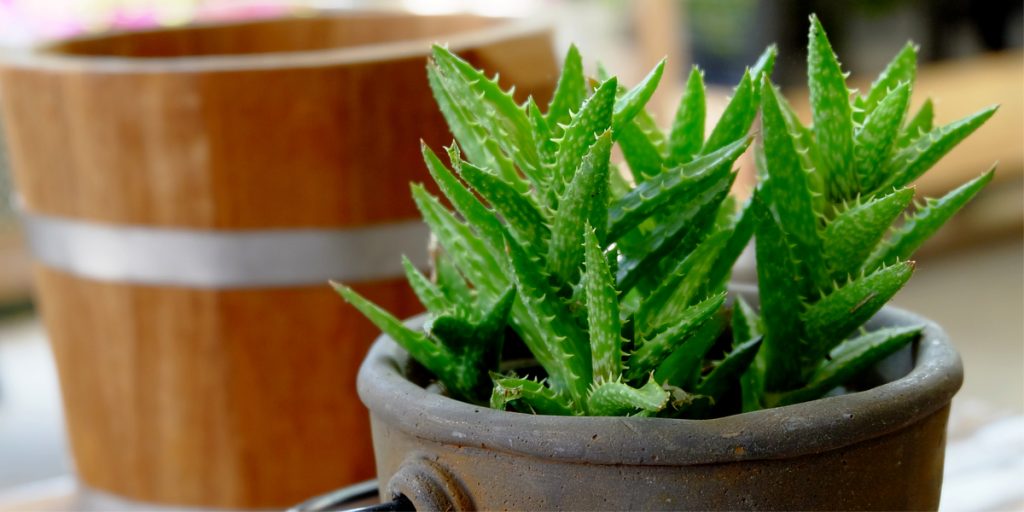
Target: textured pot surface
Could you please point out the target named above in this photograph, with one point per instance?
(876, 449)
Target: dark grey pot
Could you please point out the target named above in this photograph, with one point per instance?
(877, 449)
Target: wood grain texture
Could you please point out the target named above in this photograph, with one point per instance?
(240, 398)
(257, 143)
(354, 29)
(214, 398)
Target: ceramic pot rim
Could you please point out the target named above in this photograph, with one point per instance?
(45, 57)
(811, 427)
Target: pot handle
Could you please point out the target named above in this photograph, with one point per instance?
(428, 486)
(420, 484)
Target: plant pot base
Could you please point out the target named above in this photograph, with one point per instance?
(877, 449)
(899, 471)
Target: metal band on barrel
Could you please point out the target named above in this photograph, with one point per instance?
(224, 259)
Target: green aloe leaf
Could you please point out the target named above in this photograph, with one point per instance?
(570, 91)
(762, 71)
(687, 136)
(431, 355)
(542, 134)
(653, 351)
(494, 108)
(585, 201)
(476, 333)
(473, 256)
(911, 162)
(787, 186)
(746, 326)
(874, 140)
(726, 372)
(615, 398)
(735, 122)
(678, 235)
(430, 296)
(531, 330)
(848, 360)
(810, 157)
(841, 312)
(679, 186)
(645, 121)
(559, 345)
(680, 288)
(764, 66)
(457, 333)
(752, 384)
(479, 147)
(727, 213)
(451, 282)
(602, 312)
(464, 201)
(593, 119)
(522, 215)
(633, 101)
(925, 222)
(475, 343)
(493, 320)
(901, 69)
(779, 285)
(640, 152)
(529, 396)
(618, 186)
(920, 124)
(741, 228)
(683, 366)
(746, 323)
(853, 234)
(833, 116)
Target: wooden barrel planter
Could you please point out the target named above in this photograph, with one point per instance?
(187, 194)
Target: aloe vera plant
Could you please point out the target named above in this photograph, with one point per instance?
(616, 285)
(828, 255)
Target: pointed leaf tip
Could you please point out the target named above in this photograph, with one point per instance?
(634, 100)
(831, 112)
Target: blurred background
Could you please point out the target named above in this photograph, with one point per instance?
(970, 278)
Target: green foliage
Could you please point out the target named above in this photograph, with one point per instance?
(527, 395)
(847, 360)
(616, 286)
(832, 113)
(628, 105)
(724, 373)
(602, 304)
(584, 203)
(679, 185)
(736, 120)
(911, 162)
(687, 135)
(593, 118)
(901, 70)
(848, 238)
(461, 345)
(923, 223)
(828, 256)
(918, 125)
(570, 91)
(618, 399)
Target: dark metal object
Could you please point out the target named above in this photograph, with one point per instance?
(399, 504)
(876, 449)
(344, 499)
